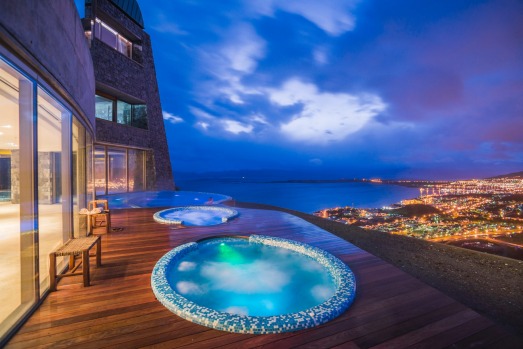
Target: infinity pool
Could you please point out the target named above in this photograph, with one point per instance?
(258, 284)
(162, 199)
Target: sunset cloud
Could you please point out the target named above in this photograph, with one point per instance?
(236, 127)
(173, 119)
(325, 117)
(334, 16)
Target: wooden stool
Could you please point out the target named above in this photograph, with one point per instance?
(105, 215)
(74, 248)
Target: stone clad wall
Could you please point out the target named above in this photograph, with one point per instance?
(135, 78)
(49, 37)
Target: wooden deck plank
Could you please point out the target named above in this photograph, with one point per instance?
(119, 310)
(436, 328)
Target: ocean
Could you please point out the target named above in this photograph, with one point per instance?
(304, 197)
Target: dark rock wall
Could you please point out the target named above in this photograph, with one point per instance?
(135, 78)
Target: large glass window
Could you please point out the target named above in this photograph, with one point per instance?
(113, 109)
(136, 169)
(139, 116)
(43, 169)
(111, 37)
(116, 170)
(123, 113)
(99, 170)
(104, 108)
(53, 179)
(79, 178)
(18, 291)
(89, 166)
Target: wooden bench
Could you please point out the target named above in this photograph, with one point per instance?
(74, 248)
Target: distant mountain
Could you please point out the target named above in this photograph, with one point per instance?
(510, 175)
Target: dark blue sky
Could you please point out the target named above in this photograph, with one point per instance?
(341, 88)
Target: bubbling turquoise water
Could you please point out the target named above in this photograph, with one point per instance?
(239, 277)
(195, 218)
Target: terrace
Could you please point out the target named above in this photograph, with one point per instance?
(392, 308)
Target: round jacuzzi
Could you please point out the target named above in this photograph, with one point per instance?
(255, 285)
(195, 215)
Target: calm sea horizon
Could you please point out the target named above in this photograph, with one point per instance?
(304, 197)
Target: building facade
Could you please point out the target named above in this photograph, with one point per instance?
(131, 152)
(80, 116)
(46, 143)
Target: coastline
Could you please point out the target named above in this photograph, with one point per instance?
(305, 197)
(489, 284)
(403, 183)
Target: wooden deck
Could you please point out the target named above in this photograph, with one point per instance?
(119, 310)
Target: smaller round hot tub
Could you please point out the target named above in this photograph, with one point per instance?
(195, 215)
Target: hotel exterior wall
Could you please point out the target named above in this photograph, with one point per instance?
(43, 45)
(48, 36)
(133, 79)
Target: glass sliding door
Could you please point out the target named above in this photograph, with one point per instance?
(136, 169)
(100, 174)
(45, 178)
(116, 170)
(53, 180)
(89, 166)
(79, 178)
(18, 285)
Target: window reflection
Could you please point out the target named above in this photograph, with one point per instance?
(79, 178)
(136, 170)
(89, 166)
(42, 170)
(112, 38)
(123, 114)
(17, 254)
(99, 170)
(103, 108)
(139, 116)
(51, 183)
(116, 170)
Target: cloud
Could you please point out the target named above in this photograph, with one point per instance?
(324, 117)
(243, 49)
(165, 25)
(236, 127)
(333, 17)
(316, 162)
(200, 113)
(320, 56)
(225, 64)
(258, 118)
(173, 119)
(202, 124)
(229, 125)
